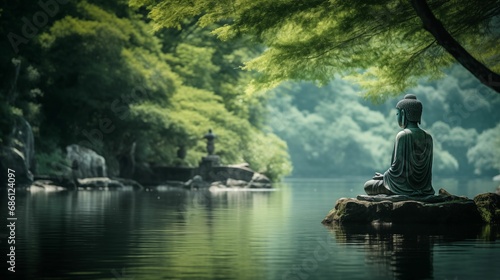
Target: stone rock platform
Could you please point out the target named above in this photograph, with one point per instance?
(436, 209)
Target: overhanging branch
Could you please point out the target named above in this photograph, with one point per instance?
(444, 38)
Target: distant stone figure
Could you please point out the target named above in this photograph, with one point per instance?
(210, 142)
(411, 166)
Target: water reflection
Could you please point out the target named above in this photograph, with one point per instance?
(213, 235)
(407, 251)
(167, 233)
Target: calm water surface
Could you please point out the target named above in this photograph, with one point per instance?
(180, 234)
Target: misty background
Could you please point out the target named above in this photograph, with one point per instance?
(333, 131)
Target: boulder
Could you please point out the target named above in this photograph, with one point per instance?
(56, 180)
(129, 183)
(45, 185)
(25, 143)
(355, 210)
(259, 181)
(488, 205)
(19, 155)
(233, 183)
(196, 182)
(217, 185)
(99, 182)
(85, 162)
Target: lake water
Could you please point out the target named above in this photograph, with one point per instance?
(277, 234)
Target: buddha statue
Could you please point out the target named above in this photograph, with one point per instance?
(410, 172)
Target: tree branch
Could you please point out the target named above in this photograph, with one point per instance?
(444, 38)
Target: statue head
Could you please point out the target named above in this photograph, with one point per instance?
(409, 110)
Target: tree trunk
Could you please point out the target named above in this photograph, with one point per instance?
(444, 38)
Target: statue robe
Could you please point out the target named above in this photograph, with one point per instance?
(411, 167)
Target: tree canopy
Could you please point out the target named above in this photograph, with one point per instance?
(385, 45)
(95, 74)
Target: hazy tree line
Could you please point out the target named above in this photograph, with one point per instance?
(333, 131)
(94, 73)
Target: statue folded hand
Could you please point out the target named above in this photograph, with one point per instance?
(378, 176)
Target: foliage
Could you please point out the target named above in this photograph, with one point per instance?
(97, 64)
(380, 44)
(96, 75)
(268, 154)
(207, 63)
(53, 163)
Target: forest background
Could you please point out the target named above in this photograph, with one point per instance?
(97, 74)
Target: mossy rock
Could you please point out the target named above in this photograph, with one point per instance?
(488, 205)
(352, 210)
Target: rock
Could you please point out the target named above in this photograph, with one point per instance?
(352, 210)
(45, 185)
(13, 159)
(129, 183)
(222, 173)
(397, 198)
(25, 143)
(232, 176)
(19, 155)
(99, 182)
(488, 205)
(85, 162)
(61, 181)
(233, 183)
(196, 183)
(217, 185)
(53, 183)
(259, 181)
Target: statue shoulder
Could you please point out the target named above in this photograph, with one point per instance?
(412, 135)
(403, 134)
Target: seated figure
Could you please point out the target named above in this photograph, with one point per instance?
(411, 166)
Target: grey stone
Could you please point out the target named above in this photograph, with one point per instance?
(45, 185)
(260, 181)
(236, 183)
(352, 210)
(396, 198)
(19, 155)
(196, 182)
(99, 182)
(85, 162)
